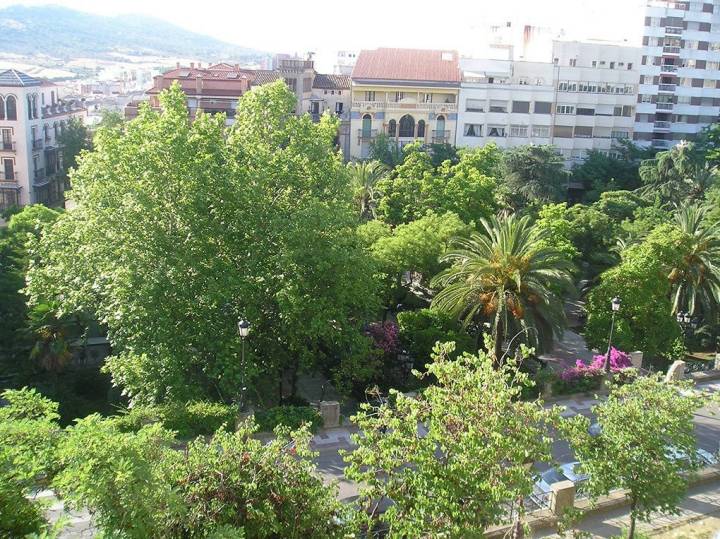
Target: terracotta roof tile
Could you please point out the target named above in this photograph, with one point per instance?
(408, 65)
(331, 82)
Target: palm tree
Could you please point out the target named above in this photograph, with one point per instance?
(364, 176)
(696, 283)
(509, 277)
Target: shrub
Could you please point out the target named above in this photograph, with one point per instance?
(197, 418)
(421, 329)
(385, 336)
(582, 377)
(289, 416)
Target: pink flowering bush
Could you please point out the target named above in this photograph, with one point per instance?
(618, 360)
(583, 377)
(385, 336)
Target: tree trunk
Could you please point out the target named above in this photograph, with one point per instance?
(631, 530)
(499, 338)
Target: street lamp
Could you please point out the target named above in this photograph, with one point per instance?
(243, 327)
(687, 323)
(615, 305)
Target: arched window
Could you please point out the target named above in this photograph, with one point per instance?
(440, 123)
(2, 108)
(407, 126)
(11, 107)
(366, 125)
(421, 129)
(35, 107)
(29, 107)
(392, 128)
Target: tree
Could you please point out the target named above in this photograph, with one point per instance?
(645, 320)
(386, 151)
(181, 228)
(364, 176)
(645, 441)
(422, 329)
(601, 172)
(554, 225)
(507, 277)
(73, 139)
(535, 173)
(695, 281)
(472, 457)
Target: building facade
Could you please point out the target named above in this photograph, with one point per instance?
(407, 94)
(582, 100)
(32, 118)
(680, 73)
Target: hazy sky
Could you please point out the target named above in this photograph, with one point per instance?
(323, 25)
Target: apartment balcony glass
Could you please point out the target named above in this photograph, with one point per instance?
(667, 87)
(668, 68)
(661, 126)
(664, 106)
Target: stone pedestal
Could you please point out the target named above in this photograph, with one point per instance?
(330, 413)
(676, 371)
(636, 359)
(562, 497)
(717, 362)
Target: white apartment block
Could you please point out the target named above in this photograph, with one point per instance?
(581, 100)
(32, 116)
(679, 90)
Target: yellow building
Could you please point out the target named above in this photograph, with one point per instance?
(408, 94)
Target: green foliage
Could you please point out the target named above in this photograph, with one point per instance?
(385, 151)
(463, 187)
(199, 418)
(28, 433)
(581, 384)
(645, 426)
(73, 140)
(507, 277)
(594, 233)
(181, 228)
(535, 174)
(364, 176)
(600, 172)
(619, 205)
(643, 221)
(555, 226)
(455, 479)
(645, 321)
(293, 417)
(677, 175)
(421, 330)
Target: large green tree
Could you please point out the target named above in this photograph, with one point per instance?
(644, 441)
(509, 276)
(75, 138)
(364, 176)
(181, 228)
(535, 174)
(469, 461)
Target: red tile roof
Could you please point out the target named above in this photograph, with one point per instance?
(408, 65)
(331, 82)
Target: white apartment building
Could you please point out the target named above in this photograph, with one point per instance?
(679, 90)
(32, 116)
(581, 100)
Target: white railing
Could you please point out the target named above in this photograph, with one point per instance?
(662, 125)
(667, 87)
(384, 105)
(671, 50)
(673, 30)
(668, 68)
(664, 106)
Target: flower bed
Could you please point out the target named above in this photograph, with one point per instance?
(583, 377)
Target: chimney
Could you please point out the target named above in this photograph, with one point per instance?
(198, 84)
(192, 65)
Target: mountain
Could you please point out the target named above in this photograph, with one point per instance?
(65, 33)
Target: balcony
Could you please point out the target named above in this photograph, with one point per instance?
(669, 88)
(661, 126)
(7, 146)
(37, 144)
(39, 175)
(664, 106)
(440, 136)
(673, 30)
(367, 134)
(668, 68)
(399, 105)
(671, 51)
(661, 143)
(8, 179)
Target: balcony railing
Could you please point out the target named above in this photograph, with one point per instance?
(673, 30)
(664, 106)
(383, 105)
(671, 50)
(8, 177)
(441, 136)
(661, 125)
(7, 146)
(37, 144)
(367, 134)
(668, 68)
(667, 87)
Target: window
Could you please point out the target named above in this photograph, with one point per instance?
(475, 105)
(594, 63)
(612, 65)
(564, 109)
(2, 108)
(473, 130)
(542, 107)
(399, 96)
(646, 98)
(681, 99)
(307, 84)
(583, 131)
(521, 107)
(292, 84)
(11, 107)
(498, 106)
(585, 112)
(520, 131)
(407, 126)
(630, 66)
(541, 131)
(338, 107)
(366, 125)
(624, 110)
(709, 83)
(562, 131)
(427, 98)
(392, 128)
(369, 96)
(29, 107)
(421, 128)
(496, 131)
(573, 62)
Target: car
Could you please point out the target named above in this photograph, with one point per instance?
(704, 458)
(564, 472)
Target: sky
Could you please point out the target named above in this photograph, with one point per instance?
(322, 25)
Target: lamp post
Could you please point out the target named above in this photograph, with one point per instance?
(687, 323)
(615, 305)
(243, 327)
